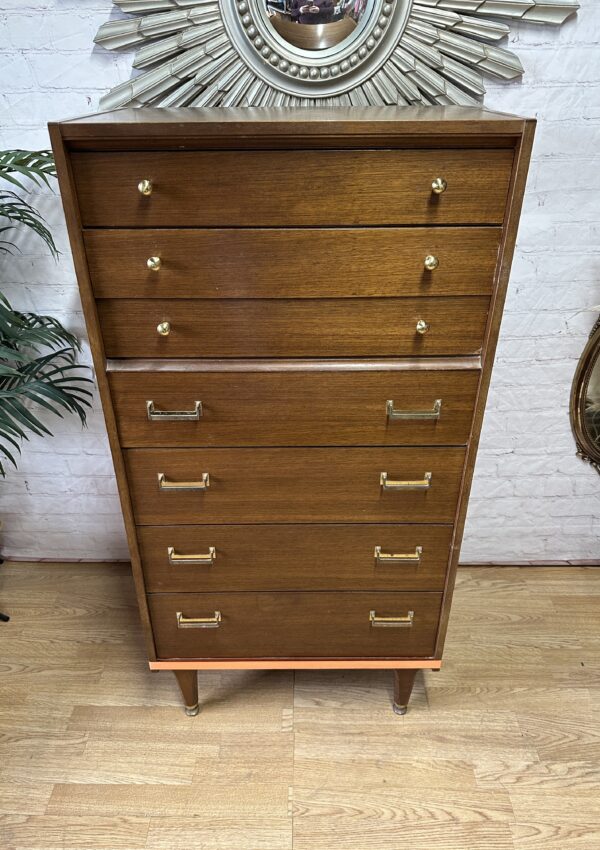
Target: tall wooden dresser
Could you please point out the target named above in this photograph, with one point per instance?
(293, 315)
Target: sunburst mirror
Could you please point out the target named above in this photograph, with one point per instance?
(323, 52)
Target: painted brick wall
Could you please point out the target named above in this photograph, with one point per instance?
(532, 499)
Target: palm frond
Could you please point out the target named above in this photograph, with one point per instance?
(29, 379)
(23, 332)
(35, 165)
(52, 380)
(18, 212)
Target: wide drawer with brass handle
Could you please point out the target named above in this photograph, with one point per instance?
(277, 188)
(182, 486)
(325, 327)
(294, 624)
(286, 404)
(271, 262)
(359, 556)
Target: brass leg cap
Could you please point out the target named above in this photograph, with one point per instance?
(400, 709)
(192, 710)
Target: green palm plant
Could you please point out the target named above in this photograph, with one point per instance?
(38, 368)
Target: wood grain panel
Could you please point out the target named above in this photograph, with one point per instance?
(294, 624)
(279, 408)
(371, 126)
(254, 188)
(357, 327)
(293, 263)
(514, 205)
(66, 182)
(293, 485)
(292, 557)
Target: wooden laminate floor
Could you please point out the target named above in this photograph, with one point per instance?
(499, 751)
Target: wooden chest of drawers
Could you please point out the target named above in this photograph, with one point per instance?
(293, 316)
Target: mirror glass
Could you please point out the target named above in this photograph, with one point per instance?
(317, 24)
(591, 404)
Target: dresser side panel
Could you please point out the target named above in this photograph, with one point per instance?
(73, 221)
(507, 248)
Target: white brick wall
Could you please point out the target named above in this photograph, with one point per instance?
(532, 499)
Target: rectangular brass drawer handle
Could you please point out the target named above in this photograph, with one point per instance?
(168, 486)
(424, 484)
(155, 415)
(391, 622)
(175, 558)
(409, 558)
(198, 622)
(394, 414)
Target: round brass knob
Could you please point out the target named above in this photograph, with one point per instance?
(154, 263)
(431, 262)
(439, 186)
(145, 187)
(422, 326)
(164, 328)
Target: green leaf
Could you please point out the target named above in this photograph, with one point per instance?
(33, 380)
(36, 165)
(18, 212)
(7, 454)
(18, 411)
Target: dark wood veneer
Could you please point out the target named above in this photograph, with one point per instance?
(292, 263)
(295, 557)
(254, 188)
(294, 485)
(301, 408)
(342, 327)
(294, 625)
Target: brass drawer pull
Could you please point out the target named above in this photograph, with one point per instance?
(198, 622)
(155, 415)
(145, 187)
(409, 558)
(431, 262)
(422, 327)
(391, 622)
(154, 264)
(203, 484)
(425, 484)
(439, 186)
(394, 414)
(163, 328)
(175, 558)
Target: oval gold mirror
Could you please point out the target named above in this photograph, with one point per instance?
(317, 24)
(585, 401)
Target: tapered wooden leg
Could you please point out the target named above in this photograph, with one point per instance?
(188, 683)
(403, 685)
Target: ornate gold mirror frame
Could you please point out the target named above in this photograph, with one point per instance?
(253, 52)
(585, 401)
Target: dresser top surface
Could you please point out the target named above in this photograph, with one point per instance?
(155, 122)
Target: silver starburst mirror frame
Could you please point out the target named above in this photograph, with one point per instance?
(241, 53)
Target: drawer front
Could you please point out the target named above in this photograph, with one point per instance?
(294, 625)
(307, 263)
(300, 408)
(275, 188)
(294, 557)
(356, 327)
(293, 485)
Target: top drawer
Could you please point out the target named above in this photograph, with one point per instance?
(275, 188)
